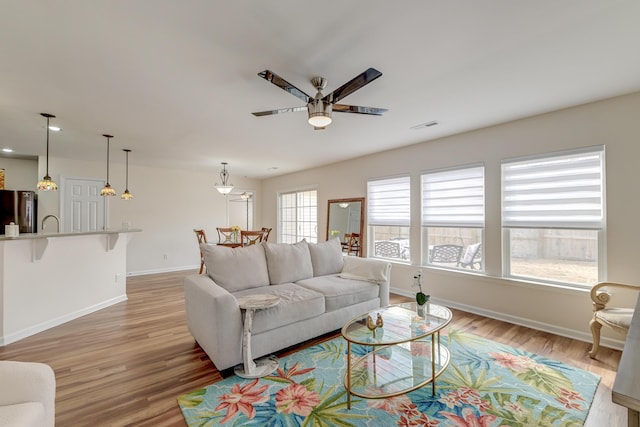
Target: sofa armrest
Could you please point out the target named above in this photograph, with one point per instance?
(214, 319)
(372, 270)
(22, 382)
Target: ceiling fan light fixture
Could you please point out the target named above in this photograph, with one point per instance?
(320, 113)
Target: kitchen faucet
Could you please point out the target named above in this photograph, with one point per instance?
(50, 216)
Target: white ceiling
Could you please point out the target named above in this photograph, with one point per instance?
(176, 81)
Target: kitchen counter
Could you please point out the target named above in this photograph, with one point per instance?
(47, 279)
(24, 236)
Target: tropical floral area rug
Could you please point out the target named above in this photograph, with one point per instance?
(487, 384)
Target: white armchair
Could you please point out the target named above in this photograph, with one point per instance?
(27, 394)
(619, 319)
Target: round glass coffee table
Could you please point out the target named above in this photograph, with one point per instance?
(402, 354)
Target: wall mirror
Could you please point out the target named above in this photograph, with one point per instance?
(346, 216)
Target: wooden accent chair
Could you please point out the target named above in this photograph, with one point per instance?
(619, 319)
(266, 231)
(202, 238)
(225, 235)
(445, 254)
(249, 238)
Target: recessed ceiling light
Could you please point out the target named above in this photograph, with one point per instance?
(7, 150)
(55, 128)
(425, 125)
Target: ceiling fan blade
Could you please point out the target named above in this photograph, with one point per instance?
(341, 108)
(352, 85)
(272, 77)
(280, 111)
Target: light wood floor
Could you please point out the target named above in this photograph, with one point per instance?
(126, 364)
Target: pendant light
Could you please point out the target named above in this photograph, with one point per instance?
(126, 195)
(107, 190)
(46, 183)
(225, 188)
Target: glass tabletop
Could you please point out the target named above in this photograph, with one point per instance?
(400, 323)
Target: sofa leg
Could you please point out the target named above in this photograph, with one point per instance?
(595, 332)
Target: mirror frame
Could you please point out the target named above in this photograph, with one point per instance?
(362, 209)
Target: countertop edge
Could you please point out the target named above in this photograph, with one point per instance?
(30, 236)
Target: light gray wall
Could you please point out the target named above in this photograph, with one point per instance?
(168, 204)
(19, 174)
(613, 123)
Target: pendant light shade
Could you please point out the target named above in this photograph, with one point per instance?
(107, 190)
(224, 188)
(47, 183)
(127, 194)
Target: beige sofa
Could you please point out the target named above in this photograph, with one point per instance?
(27, 394)
(319, 290)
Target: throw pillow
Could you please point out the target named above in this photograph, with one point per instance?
(326, 257)
(288, 262)
(236, 269)
(365, 269)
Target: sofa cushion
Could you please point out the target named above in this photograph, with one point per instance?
(288, 262)
(365, 269)
(339, 292)
(326, 257)
(236, 269)
(23, 414)
(296, 303)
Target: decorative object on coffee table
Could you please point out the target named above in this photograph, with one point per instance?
(421, 297)
(261, 367)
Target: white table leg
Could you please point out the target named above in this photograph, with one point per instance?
(252, 369)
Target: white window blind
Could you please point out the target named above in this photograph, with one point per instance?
(556, 191)
(453, 198)
(388, 201)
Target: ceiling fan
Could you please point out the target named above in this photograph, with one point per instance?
(321, 106)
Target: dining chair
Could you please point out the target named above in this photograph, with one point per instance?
(225, 234)
(617, 318)
(351, 244)
(202, 238)
(266, 231)
(249, 238)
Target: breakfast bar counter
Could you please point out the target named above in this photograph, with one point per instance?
(47, 279)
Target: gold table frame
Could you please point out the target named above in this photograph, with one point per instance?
(397, 363)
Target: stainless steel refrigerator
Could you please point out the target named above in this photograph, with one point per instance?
(19, 207)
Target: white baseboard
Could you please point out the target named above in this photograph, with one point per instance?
(27, 332)
(163, 270)
(521, 321)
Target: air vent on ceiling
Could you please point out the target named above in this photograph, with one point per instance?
(425, 125)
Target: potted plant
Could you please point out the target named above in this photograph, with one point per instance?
(421, 297)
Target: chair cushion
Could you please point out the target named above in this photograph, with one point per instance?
(236, 269)
(618, 317)
(339, 292)
(296, 303)
(23, 415)
(326, 257)
(288, 262)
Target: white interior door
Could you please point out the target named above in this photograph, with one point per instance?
(83, 208)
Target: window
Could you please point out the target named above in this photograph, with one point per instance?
(453, 217)
(298, 216)
(389, 215)
(553, 217)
